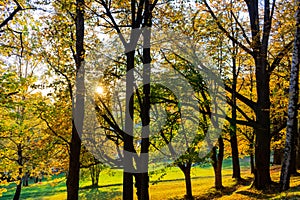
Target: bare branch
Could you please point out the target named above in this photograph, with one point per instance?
(241, 27)
(115, 25)
(11, 16)
(225, 31)
(280, 56)
(53, 131)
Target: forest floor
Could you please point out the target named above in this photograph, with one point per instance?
(169, 185)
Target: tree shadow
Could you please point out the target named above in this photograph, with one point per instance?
(97, 193)
(253, 194)
(33, 193)
(213, 193)
(102, 186)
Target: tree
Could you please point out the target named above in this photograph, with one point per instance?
(75, 144)
(292, 108)
(258, 48)
(22, 141)
(140, 23)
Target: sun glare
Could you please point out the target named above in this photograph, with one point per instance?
(99, 90)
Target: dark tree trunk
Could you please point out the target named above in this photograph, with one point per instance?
(186, 169)
(291, 129)
(74, 166)
(260, 43)
(128, 137)
(18, 190)
(95, 171)
(294, 149)
(139, 179)
(262, 178)
(252, 163)
(145, 110)
(25, 179)
(75, 144)
(236, 172)
(20, 163)
(235, 158)
(217, 160)
(277, 157)
(251, 153)
(298, 147)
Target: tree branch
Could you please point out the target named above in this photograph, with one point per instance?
(225, 31)
(241, 27)
(280, 56)
(11, 16)
(53, 131)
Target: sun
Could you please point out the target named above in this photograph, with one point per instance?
(99, 90)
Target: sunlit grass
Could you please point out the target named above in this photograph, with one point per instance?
(170, 186)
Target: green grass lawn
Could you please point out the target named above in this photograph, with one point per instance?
(169, 186)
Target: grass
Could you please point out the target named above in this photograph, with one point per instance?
(171, 186)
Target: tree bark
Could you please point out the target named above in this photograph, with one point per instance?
(74, 166)
(295, 148)
(20, 163)
(128, 137)
(186, 169)
(217, 160)
(75, 144)
(277, 157)
(252, 166)
(18, 190)
(298, 146)
(145, 115)
(260, 43)
(236, 172)
(292, 108)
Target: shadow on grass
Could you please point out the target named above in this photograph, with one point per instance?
(254, 194)
(213, 193)
(102, 186)
(33, 194)
(96, 193)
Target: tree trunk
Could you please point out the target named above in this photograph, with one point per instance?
(252, 166)
(277, 157)
(75, 145)
(295, 148)
(18, 190)
(262, 178)
(145, 115)
(95, 171)
(186, 169)
(298, 146)
(128, 137)
(25, 179)
(74, 166)
(235, 158)
(260, 43)
(141, 192)
(20, 163)
(236, 171)
(217, 160)
(292, 108)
